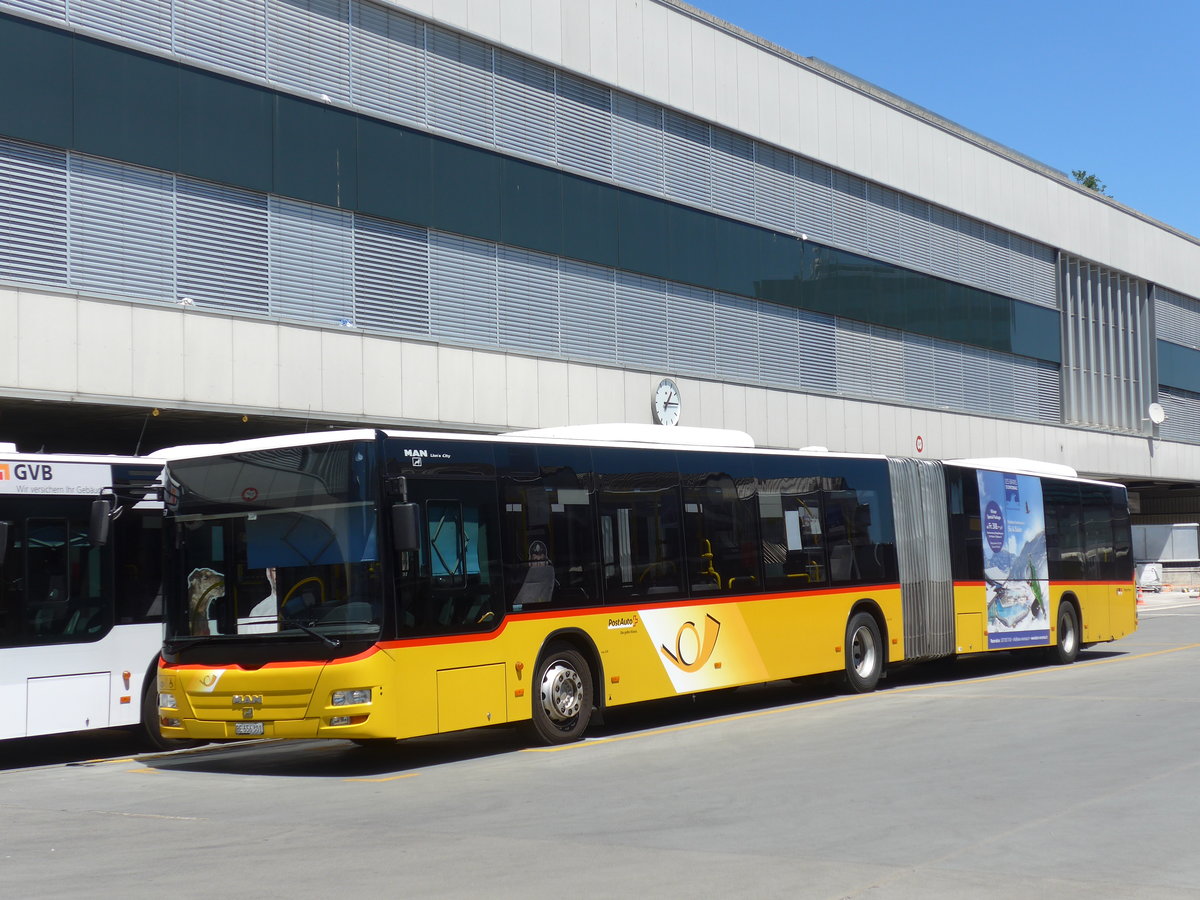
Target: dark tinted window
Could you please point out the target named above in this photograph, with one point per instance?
(966, 532)
(1100, 558)
(54, 587)
(640, 524)
(550, 553)
(1064, 530)
(720, 523)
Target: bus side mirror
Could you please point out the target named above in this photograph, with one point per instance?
(3, 541)
(98, 525)
(406, 531)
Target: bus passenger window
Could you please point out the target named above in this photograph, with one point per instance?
(721, 538)
(793, 540)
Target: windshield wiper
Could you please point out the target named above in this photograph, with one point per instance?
(329, 642)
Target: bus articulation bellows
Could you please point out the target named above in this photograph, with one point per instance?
(371, 585)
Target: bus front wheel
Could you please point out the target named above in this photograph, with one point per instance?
(864, 653)
(562, 703)
(1066, 648)
(151, 734)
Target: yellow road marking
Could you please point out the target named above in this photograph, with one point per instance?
(802, 706)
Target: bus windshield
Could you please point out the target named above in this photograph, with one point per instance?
(276, 543)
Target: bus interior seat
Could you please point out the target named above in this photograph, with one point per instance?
(538, 586)
(842, 565)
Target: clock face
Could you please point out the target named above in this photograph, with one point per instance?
(666, 403)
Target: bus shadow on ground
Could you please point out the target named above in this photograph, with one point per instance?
(70, 749)
(345, 760)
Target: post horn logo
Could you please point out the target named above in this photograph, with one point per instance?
(706, 644)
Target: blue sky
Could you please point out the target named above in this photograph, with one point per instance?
(1111, 88)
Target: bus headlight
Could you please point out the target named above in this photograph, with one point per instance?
(166, 700)
(352, 697)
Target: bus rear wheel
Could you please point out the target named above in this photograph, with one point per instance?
(562, 704)
(864, 653)
(1066, 648)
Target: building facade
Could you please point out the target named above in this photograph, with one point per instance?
(465, 214)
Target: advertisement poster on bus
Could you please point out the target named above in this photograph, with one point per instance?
(1014, 560)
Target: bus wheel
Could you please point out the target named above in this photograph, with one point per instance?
(1066, 649)
(562, 706)
(864, 653)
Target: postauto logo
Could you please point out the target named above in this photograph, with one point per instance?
(26, 472)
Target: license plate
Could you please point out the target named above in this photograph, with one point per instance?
(248, 727)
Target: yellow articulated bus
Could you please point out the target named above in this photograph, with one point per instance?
(371, 585)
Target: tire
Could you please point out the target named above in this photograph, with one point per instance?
(149, 731)
(1066, 647)
(562, 698)
(864, 653)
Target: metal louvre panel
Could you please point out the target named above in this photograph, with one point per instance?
(228, 33)
(923, 554)
(463, 289)
(145, 22)
(814, 200)
(978, 390)
(883, 219)
(223, 232)
(308, 45)
(950, 374)
(737, 341)
(915, 238)
(817, 347)
(853, 353)
(585, 125)
(733, 173)
(688, 158)
(691, 317)
(851, 228)
(1033, 268)
(525, 119)
(944, 243)
(587, 300)
(774, 191)
(391, 276)
(1176, 318)
(886, 363)
(637, 143)
(997, 260)
(529, 312)
(460, 85)
(1001, 382)
(312, 252)
(972, 249)
(1183, 415)
(1026, 388)
(56, 9)
(118, 218)
(641, 320)
(1106, 381)
(918, 355)
(387, 62)
(779, 338)
(33, 213)
(1050, 400)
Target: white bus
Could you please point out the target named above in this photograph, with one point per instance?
(80, 598)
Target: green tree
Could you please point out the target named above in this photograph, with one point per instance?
(1090, 181)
